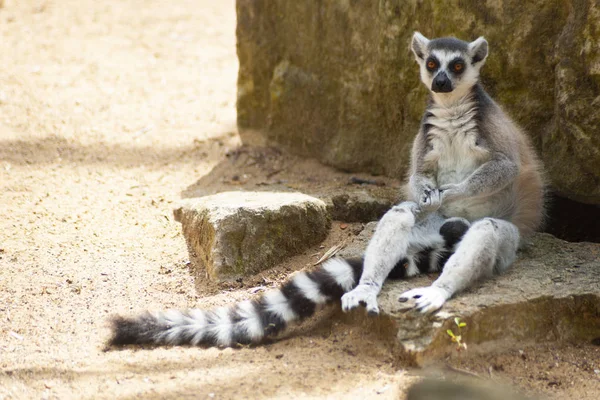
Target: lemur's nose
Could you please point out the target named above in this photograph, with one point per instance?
(441, 83)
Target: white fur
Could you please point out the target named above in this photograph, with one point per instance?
(419, 41)
(389, 243)
(341, 271)
(198, 325)
(250, 321)
(174, 317)
(453, 137)
(278, 304)
(309, 288)
(444, 57)
(475, 45)
(221, 326)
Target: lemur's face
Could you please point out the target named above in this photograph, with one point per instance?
(449, 65)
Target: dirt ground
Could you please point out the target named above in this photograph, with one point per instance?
(109, 111)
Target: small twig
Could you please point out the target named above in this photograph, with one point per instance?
(273, 173)
(331, 252)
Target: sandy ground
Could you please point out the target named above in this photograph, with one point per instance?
(109, 110)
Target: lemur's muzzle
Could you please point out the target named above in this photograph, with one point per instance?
(441, 83)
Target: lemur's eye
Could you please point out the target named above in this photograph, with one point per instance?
(458, 67)
(431, 64)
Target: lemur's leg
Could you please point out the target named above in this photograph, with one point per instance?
(397, 234)
(489, 246)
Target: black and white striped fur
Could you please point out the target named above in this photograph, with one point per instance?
(253, 321)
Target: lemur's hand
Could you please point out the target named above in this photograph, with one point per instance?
(426, 299)
(430, 199)
(452, 191)
(363, 295)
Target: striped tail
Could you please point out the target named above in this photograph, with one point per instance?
(248, 322)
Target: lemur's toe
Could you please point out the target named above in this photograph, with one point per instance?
(373, 310)
(427, 299)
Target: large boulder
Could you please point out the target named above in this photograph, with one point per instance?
(336, 79)
(233, 234)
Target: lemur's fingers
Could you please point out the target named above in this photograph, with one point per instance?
(362, 295)
(451, 191)
(431, 200)
(425, 200)
(436, 199)
(427, 299)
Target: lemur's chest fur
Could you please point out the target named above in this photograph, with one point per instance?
(454, 143)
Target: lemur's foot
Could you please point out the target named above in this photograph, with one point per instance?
(363, 295)
(427, 299)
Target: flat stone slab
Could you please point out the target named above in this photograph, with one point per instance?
(233, 234)
(552, 292)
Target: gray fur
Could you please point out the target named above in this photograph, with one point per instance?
(449, 43)
(469, 161)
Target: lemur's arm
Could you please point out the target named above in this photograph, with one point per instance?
(422, 185)
(489, 178)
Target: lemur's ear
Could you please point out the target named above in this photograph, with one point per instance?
(418, 45)
(478, 49)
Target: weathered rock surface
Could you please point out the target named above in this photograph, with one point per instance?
(335, 80)
(349, 197)
(551, 293)
(233, 234)
(357, 206)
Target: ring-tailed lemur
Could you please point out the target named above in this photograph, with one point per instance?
(475, 189)
(469, 160)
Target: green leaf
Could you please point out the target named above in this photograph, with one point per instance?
(457, 321)
(462, 324)
(450, 333)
